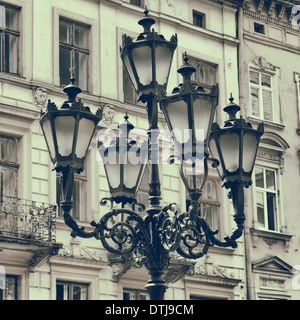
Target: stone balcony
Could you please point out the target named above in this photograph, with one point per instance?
(27, 231)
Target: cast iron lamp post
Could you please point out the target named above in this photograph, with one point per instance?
(122, 231)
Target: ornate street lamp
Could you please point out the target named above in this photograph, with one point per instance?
(189, 113)
(124, 162)
(235, 147)
(68, 131)
(150, 240)
(149, 53)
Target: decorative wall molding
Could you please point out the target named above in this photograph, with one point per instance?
(212, 269)
(42, 256)
(262, 63)
(272, 277)
(76, 250)
(271, 238)
(271, 283)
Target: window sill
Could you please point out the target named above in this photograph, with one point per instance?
(13, 77)
(270, 237)
(267, 123)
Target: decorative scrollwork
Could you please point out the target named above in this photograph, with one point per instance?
(103, 201)
(186, 233)
(196, 239)
(190, 234)
(170, 227)
(215, 162)
(121, 230)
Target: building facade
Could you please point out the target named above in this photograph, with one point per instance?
(268, 64)
(249, 48)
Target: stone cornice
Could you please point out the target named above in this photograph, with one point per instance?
(216, 280)
(267, 18)
(278, 12)
(19, 114)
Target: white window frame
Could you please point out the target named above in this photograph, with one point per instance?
(260, 24)
(202, 9)
(74, 48)
(264, 190)
(62, 269)
(142, 5)
(93, 42)
(137, 292)
(71, 285)
(274, 74)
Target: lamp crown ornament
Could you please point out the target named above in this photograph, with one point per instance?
(146, 22)
(232, 108)
(72, 90)
(186, 70)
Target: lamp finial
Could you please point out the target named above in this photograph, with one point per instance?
(232, 108)
(72, 90)
(146, 22)
(186, 70)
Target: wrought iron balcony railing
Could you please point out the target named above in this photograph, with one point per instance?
(25, 219)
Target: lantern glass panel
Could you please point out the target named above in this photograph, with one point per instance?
(64, 126)
(129, 69)
(163, 58)
(193, 170)
(112, 167)
(202, 112)
(131, 173)
(230, 148)
(85, 131)
(249, 151)
(49, 137)
(178, 116)
(142, 57)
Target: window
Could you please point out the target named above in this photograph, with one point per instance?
(198, 19)
(73, 53)
(9, 291)
(79, 197)
(8, 167)
(259, 28)
(130, 95)
(132, 294)
(205, 298)
(9, 38)
(205, 74)
(71, 291)
(266, 194)
(261, 91)
(136, 2)
(209, 203)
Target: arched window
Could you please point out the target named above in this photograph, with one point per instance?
(267, 183)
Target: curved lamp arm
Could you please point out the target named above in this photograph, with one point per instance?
(237, 196)
(67, 183)
(191, 236)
